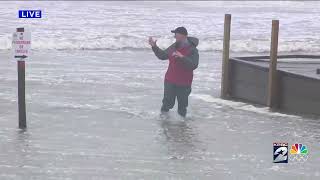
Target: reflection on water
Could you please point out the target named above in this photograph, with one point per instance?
(21, 146)
(179, 137)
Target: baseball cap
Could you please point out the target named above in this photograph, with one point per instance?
(180, 30)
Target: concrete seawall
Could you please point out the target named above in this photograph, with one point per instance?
(299, 84)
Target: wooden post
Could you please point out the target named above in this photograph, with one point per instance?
(273, 88)
(21, 91)
(225, 79)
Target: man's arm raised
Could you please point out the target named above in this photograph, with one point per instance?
(161, 54)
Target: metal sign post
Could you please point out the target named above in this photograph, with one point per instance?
(21, 44)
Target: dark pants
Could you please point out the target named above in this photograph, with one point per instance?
(171, 91)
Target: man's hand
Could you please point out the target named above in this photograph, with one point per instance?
(177, 54)
(152, 42)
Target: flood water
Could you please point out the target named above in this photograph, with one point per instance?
(95, 115)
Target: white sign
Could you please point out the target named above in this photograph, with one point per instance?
(21, 44)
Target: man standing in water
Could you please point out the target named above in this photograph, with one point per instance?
(183, 59)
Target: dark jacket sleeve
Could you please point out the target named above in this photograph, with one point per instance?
(161, 54)
(192, 60)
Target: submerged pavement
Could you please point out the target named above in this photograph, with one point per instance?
(95, 115)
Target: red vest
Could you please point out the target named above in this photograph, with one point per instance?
(178, 73)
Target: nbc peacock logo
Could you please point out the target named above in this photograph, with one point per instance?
(299, 152)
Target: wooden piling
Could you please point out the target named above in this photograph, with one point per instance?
(225, 79)
(273, 86)
(21, 91)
